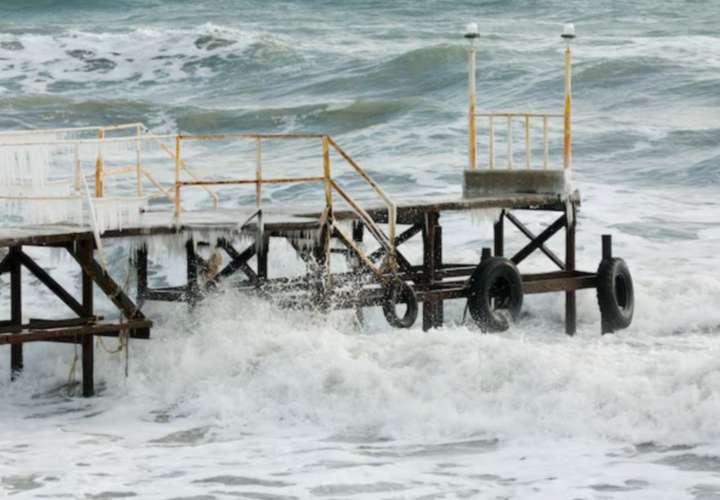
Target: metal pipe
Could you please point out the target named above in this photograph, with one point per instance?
(178, 185)
(138, 163)
(472, 96)
(258, 172)
(528, 151)
(509, 143)
(546, 144)
(100, 167)
(491, 143)
(568, 35)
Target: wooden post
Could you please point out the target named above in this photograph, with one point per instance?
(262, 258)
(141, 263)
(193, 287)
(606, 254)
(570, 303)
(606, 246)
(88, 341)
(432, 261)
(16, 350)
(499, 235)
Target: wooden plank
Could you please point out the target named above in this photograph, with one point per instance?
(49, 334)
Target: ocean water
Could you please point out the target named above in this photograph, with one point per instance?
(237, 399)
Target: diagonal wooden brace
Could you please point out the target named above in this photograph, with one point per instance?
(523, 229)
(105, 282)
(539, 240)
(239, 261)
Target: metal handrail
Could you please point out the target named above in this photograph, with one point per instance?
(331, 186)
(527, 117)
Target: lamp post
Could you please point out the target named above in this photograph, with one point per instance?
(568, 35)
(472, 35)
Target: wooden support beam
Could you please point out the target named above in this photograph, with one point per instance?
(570, 299)
(50, 283)
(523, 229)
(262, 258)
(47, 334)
(239, 261)
(110, 288)
(6, 264)
(86, 251)
(432, 261)
(539, 240)
(16, 351)
(193, 284)
(141, 266)
(499, 235)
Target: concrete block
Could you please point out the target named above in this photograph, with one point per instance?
(478, 183)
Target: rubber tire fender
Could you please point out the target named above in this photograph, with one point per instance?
(399, 292)
(493, 276)
(615, 293)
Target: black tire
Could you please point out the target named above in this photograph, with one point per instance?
(399, 292)
(495, 294)
(615, 294)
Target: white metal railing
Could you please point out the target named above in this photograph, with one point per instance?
(508, 119)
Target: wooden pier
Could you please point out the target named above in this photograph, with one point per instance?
(431, 282)
(366, 230)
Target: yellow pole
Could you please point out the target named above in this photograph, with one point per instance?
(326, 173)
(568, 35)
(258, 172)
(567, 137)
(471, 34)
(138, 163)
(177, 176)
(100, 168)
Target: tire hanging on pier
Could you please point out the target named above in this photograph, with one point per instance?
(398, 292)
(495, 294)
(615, 294)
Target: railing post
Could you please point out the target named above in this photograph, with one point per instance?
(528, 151)
(258, 172)
(546, 144)
(491, 143)
(138, 162)
(509, 142)
(178, 207)
(472, 35)
(568, 35)
(326, 173)
(100, 167)
(329, 208)
(78, 169)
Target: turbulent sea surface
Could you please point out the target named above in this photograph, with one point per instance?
(239, 400)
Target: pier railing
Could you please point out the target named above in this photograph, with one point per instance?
(505, 124)
(129, 136)
(324, 176)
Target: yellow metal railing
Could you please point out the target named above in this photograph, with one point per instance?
(472, 36)
(331, 186)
